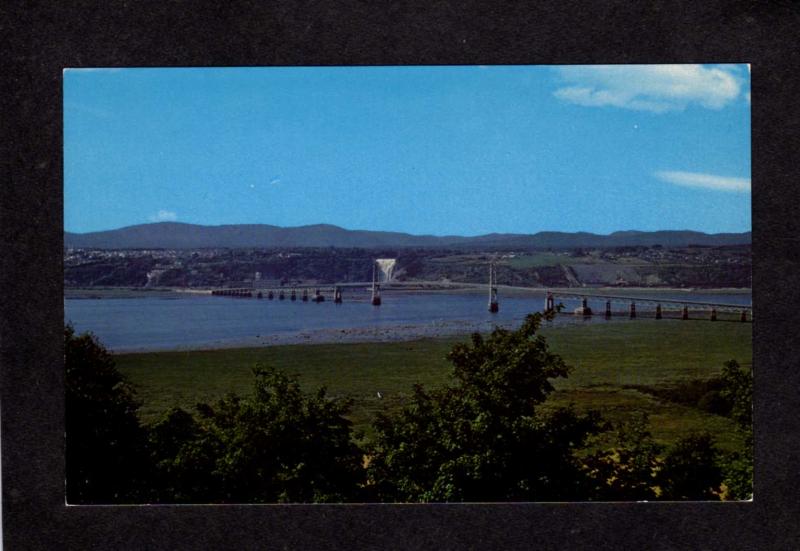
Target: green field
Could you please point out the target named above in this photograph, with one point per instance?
(607, 357)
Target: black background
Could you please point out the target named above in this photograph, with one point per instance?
(40, 39)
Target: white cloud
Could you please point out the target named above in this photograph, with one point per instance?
(656, 88)
(164, 216)
(705, 181)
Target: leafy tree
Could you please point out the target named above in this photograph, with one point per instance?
(483, 438)
(280, 445)
(627, 472)
(184, 456)
(690, 470)
(104, 441)
(738, 391)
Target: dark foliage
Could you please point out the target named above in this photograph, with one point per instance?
(279, 445)
(691, 470)
(738, 390)
(628, 471)
(703, 394)
(482, 438)
(105, 443)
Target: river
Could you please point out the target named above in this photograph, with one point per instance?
(194, 321)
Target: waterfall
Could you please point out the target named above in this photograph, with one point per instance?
(386, 266)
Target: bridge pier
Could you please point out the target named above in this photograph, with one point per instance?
(584, 310)
(280, 295)
(685, 314)
(376, 289)
(633, 310)
(318, 296)
(305, 295)
(744, 315)
(658, 311)
(259, 295)
(713, 314)
(608, 309)
(337, 295)
(549, 303)
(294, 295)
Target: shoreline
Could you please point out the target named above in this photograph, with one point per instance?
(390, 334)
(357, 335)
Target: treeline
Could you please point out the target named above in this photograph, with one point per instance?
(483, 437)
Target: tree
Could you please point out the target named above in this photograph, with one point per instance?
(690, 470)
(738, 391)
(738, 466)
(184, 456)
(483, 437)
(279, 445)
(104, 441)
(627, 472)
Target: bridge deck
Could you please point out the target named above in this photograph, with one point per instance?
(328, 287)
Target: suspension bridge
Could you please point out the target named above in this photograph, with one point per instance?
(608, 305)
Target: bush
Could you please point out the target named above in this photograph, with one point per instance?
(627, 472)
(482, 438)
(738, 390)
(104, 442)
(279, 445)
(690, 470)
(713, 402)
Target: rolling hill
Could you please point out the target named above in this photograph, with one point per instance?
(176, 235)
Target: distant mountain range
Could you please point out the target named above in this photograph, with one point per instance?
(175, 235)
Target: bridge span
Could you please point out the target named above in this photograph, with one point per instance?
(661, 303)
(664, 306)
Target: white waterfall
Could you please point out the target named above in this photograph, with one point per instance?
(386, 266)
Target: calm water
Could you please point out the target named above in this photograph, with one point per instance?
(153, 323)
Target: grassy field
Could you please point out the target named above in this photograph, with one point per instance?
(606, 358)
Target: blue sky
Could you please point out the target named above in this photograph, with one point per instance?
(425, 150)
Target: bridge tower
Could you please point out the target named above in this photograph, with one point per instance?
(658, 311)
(493, 305)
(633, 310)
(608, 309)
(549, 303)
(337, 295)
(376, 289)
